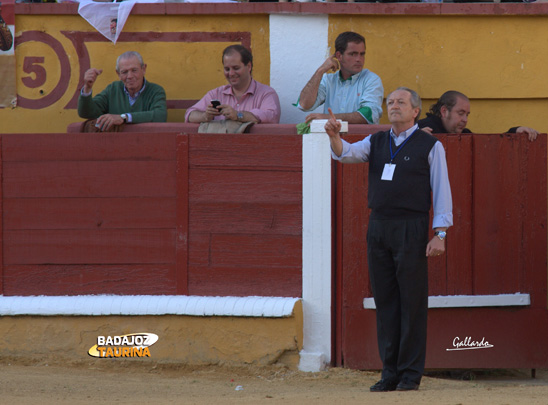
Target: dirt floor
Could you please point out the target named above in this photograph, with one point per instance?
(115, 382)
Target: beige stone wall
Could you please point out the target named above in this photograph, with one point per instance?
(188, 340)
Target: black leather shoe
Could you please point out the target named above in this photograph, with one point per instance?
(407, 386)
(384, 385)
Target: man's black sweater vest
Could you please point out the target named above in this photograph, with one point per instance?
(408, 194)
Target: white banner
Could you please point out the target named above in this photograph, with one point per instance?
(109, 18)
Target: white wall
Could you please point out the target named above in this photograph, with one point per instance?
(298, 46)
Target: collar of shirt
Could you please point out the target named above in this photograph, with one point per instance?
(250, 90)
(132, 100)
(352, 78)
(399, 138)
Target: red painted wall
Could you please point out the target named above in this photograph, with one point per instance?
(151, 213)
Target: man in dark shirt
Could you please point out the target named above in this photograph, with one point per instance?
(407, 171)
(449, 115)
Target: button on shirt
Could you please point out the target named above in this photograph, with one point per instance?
(260, 100)
(364, 89)
(439, 178)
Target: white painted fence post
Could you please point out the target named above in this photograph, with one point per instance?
(316, 353)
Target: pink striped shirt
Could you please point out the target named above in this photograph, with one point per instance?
(260, 100)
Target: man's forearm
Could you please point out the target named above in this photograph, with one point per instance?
(352, 118)
(336, 145)
(198, 116)
(249, 117)
(87, 108)
(310, 92)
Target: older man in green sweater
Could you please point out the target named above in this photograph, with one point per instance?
(131, 100)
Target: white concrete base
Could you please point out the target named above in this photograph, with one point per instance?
(311, 362)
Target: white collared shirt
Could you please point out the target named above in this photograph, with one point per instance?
(358, 152)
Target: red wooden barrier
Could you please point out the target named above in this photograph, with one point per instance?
(171, 213)
(151, 213)
(498, 245)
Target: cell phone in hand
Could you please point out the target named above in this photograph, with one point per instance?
(215, 103)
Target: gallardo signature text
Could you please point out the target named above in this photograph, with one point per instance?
(468, 344)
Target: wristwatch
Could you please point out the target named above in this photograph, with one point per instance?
(240, 116)
(124, 117)
(440, 234)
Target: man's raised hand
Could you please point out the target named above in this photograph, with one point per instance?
(89, 78)
(332, 127)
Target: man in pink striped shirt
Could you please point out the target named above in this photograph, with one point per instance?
(243, 99)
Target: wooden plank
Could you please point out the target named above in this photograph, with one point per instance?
(360, 350)
(245, 217)
(233, 250)
(533, 276)
(102, 246)
(199, 250)
(458, 257)
(355, 272)
(89, 179)
(355, 269)
(89, 213)
(266, 251)
(245, 186)
(337, 216)
(182, 225)
(2, 213)
(246, 150)
(83, 147)
(248, 281)
(139, 279)
(497, 220)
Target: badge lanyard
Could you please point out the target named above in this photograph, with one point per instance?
(393, 155)
(389, 168)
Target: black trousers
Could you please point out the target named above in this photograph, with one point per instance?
(398, 271)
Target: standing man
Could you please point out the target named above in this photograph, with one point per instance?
(131, 100)
(405, 166)
(353, 93)
(243, 99)
(449, 115)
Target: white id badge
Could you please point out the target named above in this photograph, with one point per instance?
(388, 171)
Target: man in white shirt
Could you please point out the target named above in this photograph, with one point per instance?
(353, 93)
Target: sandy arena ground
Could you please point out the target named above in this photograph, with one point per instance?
(115, 382)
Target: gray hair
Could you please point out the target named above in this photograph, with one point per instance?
(416, 101)
(129, 55)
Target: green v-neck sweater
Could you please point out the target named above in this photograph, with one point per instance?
(150, 106)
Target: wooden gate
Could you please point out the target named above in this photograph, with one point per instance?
(491, 310)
